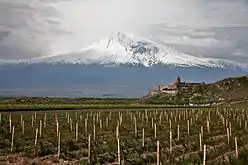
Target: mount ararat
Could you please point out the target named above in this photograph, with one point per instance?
(122, 65)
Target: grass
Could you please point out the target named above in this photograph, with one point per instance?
(44, 103)
(15, 107)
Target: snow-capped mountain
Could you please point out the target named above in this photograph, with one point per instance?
(141, 65)
(125, 48)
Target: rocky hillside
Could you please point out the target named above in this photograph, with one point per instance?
(228, 91)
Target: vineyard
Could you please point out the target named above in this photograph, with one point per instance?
(154, 136)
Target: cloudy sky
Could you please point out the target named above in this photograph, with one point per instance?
(207, 28)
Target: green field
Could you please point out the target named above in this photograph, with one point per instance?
(185, 146)
(14, 104)
(17, 107)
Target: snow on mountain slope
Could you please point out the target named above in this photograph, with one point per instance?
(124, 48)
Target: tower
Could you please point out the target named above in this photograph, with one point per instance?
(178, 81)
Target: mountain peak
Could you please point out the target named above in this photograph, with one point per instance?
(135, 49)
(123, 48)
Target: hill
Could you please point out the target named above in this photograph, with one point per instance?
(229, 91)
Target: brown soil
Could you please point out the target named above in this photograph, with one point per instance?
(18, 159)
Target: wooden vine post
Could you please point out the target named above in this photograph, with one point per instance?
(245, 125)
(110, 115)
(188, 126)
(240, 122)
(143, 137)
(59, 145)
(68, 118)
(236, 147)
(209, 116)
(71, 123)
(170, 142)
(228, 135)
(36, 140)
(32, 120)
(158, 161)
(45, 120)
(147, 118)
(118, 151)
(21, 118)
(57, 128)
(204, 154)
(178, 132)
(135, 127)
(155, 131)
(230, 128)
(131, 116)
(117, 132)
(56, 117)
(10, 123)
(97, 117)
(76, 131)
(200, 140)
(40, 128)
(120, 119)
(12, 139)
(94, 131)
(85, 126)
(89, 151)
(142, 118)
(208, 127)
(36, 137)
(100, 123)
(23, 127)
(106, 121)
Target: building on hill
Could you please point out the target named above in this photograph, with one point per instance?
(173, 88)
(176, 86)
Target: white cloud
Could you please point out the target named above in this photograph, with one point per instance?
(30, 26)
(39, 26)
(201, 42)
(92, 20)
(238, 52)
